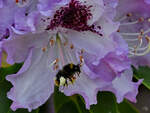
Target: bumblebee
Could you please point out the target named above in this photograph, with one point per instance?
(67, 74)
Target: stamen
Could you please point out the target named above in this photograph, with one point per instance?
(129, 14)
(71, 46)
(82, 51)
(129, 23)
(130, 40)
(68, 48)
(56, 67)
(22, 3)
(66, 53)
(56, 61)
(124, 17)
(81, 60)
(148, 20)
(141, 19)
(44, 49)
(52, 42)
(136, 34)
(66, 65)
(139, 50)
(138, 42)
(60, 50)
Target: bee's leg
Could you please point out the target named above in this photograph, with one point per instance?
(77, 74)
(71, 80)
(66, 84)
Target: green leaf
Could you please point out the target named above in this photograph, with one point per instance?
(4, 102)
(126, 107)
(143, 72)
(68, 107)
(68, 104)
(106, 104)
(59, 99)
(4, 60)
(9, 70)
(5, 87)
(79, 101)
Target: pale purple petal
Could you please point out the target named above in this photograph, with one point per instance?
(33, 84)
(86, 87)
(16, 17)
(139, 9)
(122, 45)
(1, 3)
(107, 68)
(97, 9)
(91, 42)
(110, 8)
(147, 1)
(20, 21)
(6, 17)
(111, 3)
(123, 87)
(141, 61)
(107, 26)
(46, 7)
(37, 22)
(17, 48)
(111, 65)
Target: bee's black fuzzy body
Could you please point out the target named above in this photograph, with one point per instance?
(68, 72)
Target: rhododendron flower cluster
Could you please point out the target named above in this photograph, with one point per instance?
(81, 46)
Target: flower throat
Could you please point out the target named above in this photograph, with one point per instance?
(73, 16)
